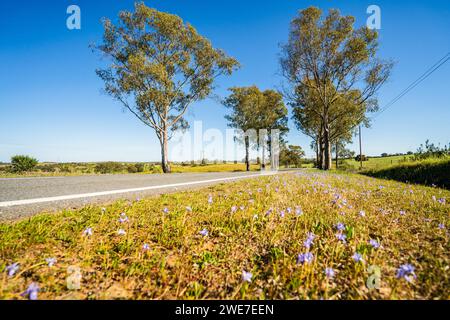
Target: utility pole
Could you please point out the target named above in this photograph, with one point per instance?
(360, 148)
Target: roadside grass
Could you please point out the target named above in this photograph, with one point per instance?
(257, 225)
(431, 171)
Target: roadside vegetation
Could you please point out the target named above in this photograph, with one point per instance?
(306, 235)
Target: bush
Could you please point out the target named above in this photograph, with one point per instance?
(22, 163)
(109, 167)
(364, 158)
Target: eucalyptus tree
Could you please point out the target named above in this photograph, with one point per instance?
(256, 113)
(335, 65)
(158, 66)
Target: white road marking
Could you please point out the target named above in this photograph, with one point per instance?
(105, 193)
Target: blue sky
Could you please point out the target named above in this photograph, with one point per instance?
(51, 105)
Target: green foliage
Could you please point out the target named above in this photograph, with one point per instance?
(22, 163)
(109, 167)
(430, 150)
(427, 172)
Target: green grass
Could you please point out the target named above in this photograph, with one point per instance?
(428, 172)
(373, 163)
(182, 264)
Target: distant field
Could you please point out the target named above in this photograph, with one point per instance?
(309, 235)
(373, 163)
(76, 169)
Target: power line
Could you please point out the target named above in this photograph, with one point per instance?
(425, 75)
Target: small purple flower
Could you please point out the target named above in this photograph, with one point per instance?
(441, 200)
(123, 218)
(268, 212)
(204, 232)
(340, 226)
(406, 271)
(246, 276)
(51, 261)
(341, 237)
(12, 269)
(374, 243)
(305, 258)
(289, 210)
(32, 291)
(402, 212)
(357, 257)
(309, 240)
(441, 226)
(282, 213)
(298, 211)
(121, 232)
(145, 247)
(329, 272)
(233, 209)
(210, 199)
(87, 232)
(362, 213)
(166, 210)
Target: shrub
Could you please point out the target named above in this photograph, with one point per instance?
(364, 158)
(21, 163)
(109, 167)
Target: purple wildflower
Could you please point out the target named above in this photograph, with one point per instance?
(121, 232)
(50, 261)
(282, 213)
(32, 291)
(374, 243)
(12, 269)
(341, 237)
(146, 247)
(246, 276)
(357, 257)
(340, 226)
(329, 272)
(210, 199)
(362, 213)
(298, 211)
(305, 258)
(309, 240)
(166, 210)
(441, 226)
(123, 218)
(87, 232)
(233, 209)
(406, 271)
(402, 212)
(204, 232)
(441, 200)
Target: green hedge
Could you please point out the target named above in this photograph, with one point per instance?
(428, 172)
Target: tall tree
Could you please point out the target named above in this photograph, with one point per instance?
(159, 66)
(333, 70)
(253, 111)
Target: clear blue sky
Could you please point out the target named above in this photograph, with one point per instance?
(51, 105)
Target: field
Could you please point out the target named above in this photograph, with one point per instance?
(307, 235)
(373, 163)
(77, 169)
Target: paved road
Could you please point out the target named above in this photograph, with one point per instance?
(22, 197)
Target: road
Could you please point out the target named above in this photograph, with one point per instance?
(24, 197)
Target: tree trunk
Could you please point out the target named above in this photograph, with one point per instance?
(317, 152)
(164, 153)
(247, 160)
(327, 147)
(263, 159)
(337, 155)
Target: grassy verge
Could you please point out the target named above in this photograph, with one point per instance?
(196, 245)
(427, 172)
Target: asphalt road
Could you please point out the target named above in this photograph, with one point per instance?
(23, 197)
